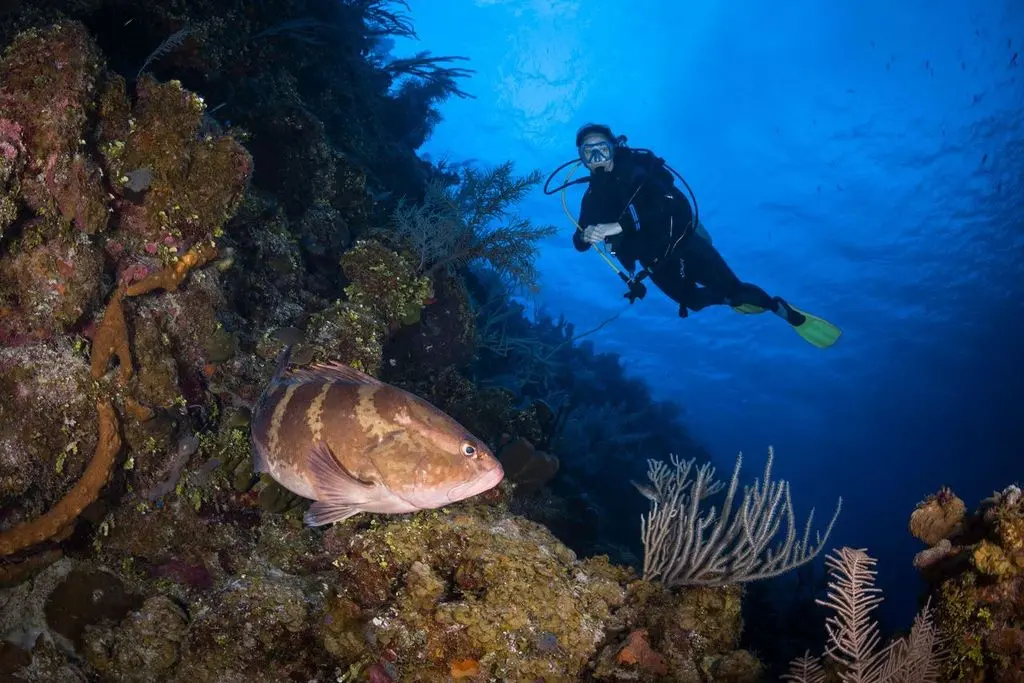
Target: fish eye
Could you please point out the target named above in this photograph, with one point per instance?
(469, 450)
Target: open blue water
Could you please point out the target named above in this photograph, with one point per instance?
(864, 160)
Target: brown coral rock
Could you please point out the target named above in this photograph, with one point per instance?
(84, 492)
(157, 380)
(529, 468)
(929, 556)
(146, 645)
(638, 651)
(56, 281)
(937, 517)
(257, 630)
(48, 79)
(170, 179)
(47, 426)
(738, 666)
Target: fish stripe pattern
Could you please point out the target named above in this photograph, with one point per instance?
(314, 417)
(280, 404)
(368, 413)
(294, 432)
(355, 444)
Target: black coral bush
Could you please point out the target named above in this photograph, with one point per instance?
(474, 220)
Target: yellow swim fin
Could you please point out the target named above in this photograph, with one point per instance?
(749, 309)
(817, 331)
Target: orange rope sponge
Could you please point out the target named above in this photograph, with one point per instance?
(173, 275)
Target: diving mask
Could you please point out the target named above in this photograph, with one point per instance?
(596, 151)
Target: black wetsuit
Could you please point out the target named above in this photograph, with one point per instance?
(656, 220)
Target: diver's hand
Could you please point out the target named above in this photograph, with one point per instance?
(597, 233)
(637, 290)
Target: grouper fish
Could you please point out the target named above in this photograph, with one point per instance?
(353, 443)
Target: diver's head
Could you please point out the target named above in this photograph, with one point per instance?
(596, 146)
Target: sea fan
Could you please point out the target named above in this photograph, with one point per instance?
(854, 641)
(170, 43)
(805, 669)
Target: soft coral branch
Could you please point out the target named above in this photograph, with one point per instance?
(428, 68)
(854, 641)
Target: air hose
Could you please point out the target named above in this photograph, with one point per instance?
(636, 289)
(573, 167)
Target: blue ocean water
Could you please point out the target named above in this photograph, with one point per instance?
(863, 160)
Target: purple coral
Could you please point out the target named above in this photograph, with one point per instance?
(11, 144)
(47, 82)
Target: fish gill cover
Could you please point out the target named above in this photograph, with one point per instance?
(185, 191)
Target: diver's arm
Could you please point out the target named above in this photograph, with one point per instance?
(587, 212)
(598, 216)
(577, 234)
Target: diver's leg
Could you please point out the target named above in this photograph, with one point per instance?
(698, 298)
(701, 297)
(704, 264)
(787, 312)
(672, 281)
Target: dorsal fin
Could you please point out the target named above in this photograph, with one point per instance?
(333, 370)
(279, 372)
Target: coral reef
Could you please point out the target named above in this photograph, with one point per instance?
(40, 459)
(443, 337)
(73, 124)
(975, 573)
(937, 517)
(84, 492)
(432, 594)
(155, 257)
(385, 282)
(174, 183)
(689, 636)
(383, 293)
(467, 592)
(527, 467)
(48, 83)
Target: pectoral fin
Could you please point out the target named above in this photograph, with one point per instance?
(340, 494)
(324, 512)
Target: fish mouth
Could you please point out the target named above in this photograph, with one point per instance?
(483, 482)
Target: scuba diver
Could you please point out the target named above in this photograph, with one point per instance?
(633, 206)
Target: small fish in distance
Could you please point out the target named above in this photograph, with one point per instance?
(647, 492)
(353, 444)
